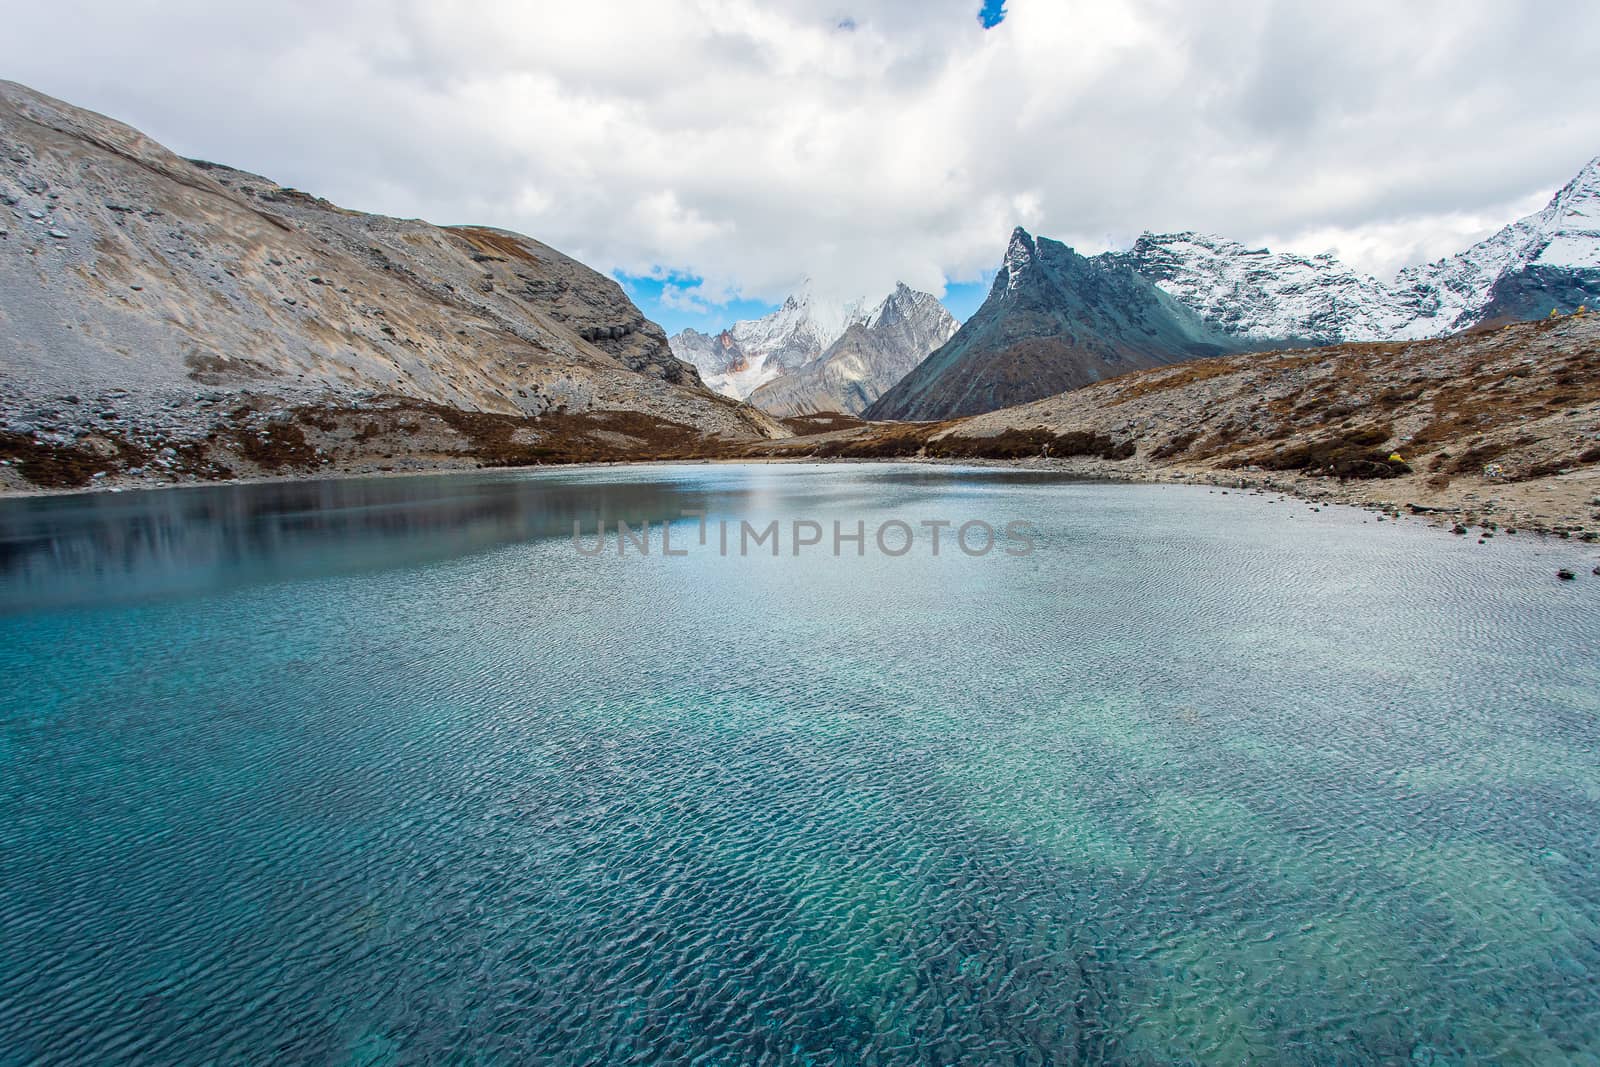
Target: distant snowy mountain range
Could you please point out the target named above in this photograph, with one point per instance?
(812, 355)
(1264, 295)
(1055, 320)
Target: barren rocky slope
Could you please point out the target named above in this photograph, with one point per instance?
(179, 318)
(1495, 426)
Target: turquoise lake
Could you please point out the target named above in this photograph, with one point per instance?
(387, 772)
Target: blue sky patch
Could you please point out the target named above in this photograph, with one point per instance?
(963, 298)
(668, 298)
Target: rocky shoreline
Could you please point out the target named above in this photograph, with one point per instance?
(1568, 508)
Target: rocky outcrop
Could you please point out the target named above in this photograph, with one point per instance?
(139, 283)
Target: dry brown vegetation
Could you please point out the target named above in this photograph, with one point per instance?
(1351, 454)
(595, 436)
(257, 438)
(50, 466)
(105, 453)
(822, 422)
(1021, 444)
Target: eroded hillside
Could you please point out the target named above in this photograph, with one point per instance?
(146, 299)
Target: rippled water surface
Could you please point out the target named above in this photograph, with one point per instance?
(386, 772)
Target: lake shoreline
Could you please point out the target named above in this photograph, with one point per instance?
(1478, 512)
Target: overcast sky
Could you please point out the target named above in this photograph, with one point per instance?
(728, 148)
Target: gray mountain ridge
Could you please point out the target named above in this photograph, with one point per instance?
(1052, 320)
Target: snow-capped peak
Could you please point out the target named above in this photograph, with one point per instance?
(802, 317)
(752, 352)
(1585, 184)
(757, 351)
(1565, 235)
(903, 302)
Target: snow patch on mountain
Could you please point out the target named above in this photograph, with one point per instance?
(875, 352)
(1019, 255)
(752, 352)
(1259, 294)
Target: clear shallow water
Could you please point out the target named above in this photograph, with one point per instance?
(384, 772)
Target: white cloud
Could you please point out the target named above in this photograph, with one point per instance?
(1384, 246)
(692, 298)
(753, 144)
